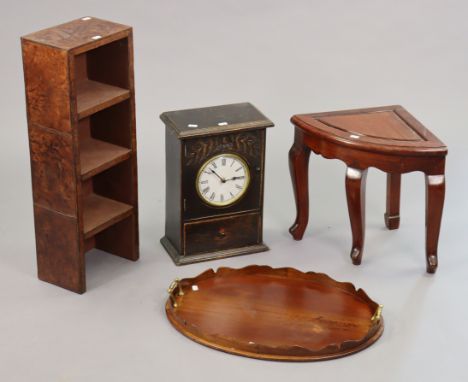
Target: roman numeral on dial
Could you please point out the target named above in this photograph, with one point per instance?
(223, 179)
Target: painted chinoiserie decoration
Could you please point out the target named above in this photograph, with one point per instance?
(388, 138)
(81, 124)
(215, 159)
(277, 314)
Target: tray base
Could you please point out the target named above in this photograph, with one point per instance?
(277, 357)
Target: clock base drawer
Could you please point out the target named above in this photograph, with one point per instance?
(221, 234)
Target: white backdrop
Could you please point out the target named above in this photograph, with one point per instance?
(285, 57)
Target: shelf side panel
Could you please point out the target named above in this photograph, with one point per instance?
(46, 77)
(53, 170)
(59, 259)
(132, 124)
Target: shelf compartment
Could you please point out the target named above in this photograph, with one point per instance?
(100, 213)
(93, 96)
(97, 156)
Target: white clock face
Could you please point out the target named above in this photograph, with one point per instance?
(223, 179)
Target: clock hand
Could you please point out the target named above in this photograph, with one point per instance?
(214, 172)
(234, 178)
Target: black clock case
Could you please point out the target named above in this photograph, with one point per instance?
(194, 230)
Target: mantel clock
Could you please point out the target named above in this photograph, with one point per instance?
(215, 161)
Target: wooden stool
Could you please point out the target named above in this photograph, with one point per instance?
(388, 138)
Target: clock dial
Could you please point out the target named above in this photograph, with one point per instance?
(223, 179)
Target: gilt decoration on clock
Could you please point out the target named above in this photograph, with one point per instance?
(199, 149)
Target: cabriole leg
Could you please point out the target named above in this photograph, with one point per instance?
(356, 195)
(435, 194)
(299, 168)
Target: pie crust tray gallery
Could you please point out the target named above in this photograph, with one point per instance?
(278, 314)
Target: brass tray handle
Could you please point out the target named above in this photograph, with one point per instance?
(171, 290)
(377, 315)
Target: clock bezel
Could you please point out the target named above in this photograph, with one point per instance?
(239, 196)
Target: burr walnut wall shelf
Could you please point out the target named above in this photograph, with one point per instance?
(277, 314)
(81, 123)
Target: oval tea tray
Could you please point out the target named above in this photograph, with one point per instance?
(277, 314)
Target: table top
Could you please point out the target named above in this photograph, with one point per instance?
(85, 31)
(215, 120)
(388, 128)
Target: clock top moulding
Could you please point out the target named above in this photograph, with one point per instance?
(215, 120)
(81, 123)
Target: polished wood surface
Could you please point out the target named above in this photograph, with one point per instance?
(392, 212)
(77, 35)
(388, 138)
(356, 197)
(81, 124)
(388, 129)
(299, 167)
(277, 314)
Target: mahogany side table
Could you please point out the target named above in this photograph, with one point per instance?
(388, 138)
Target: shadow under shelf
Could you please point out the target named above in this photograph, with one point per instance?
(101, 212)
(97, 156)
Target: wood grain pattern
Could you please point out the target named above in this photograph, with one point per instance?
(299, 168)
(388, 138)
(392, 212)
(276, 314)
(53, 170)
(81, 121)
(97, 156)
(100, 213)
(361, 129)
(47, 85)
(78, 33)
(120, 239)
(435, 195)
(93, 96)
(356, 197)
(382, 125)
(60, 260)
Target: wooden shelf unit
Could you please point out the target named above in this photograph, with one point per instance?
(81, 122)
